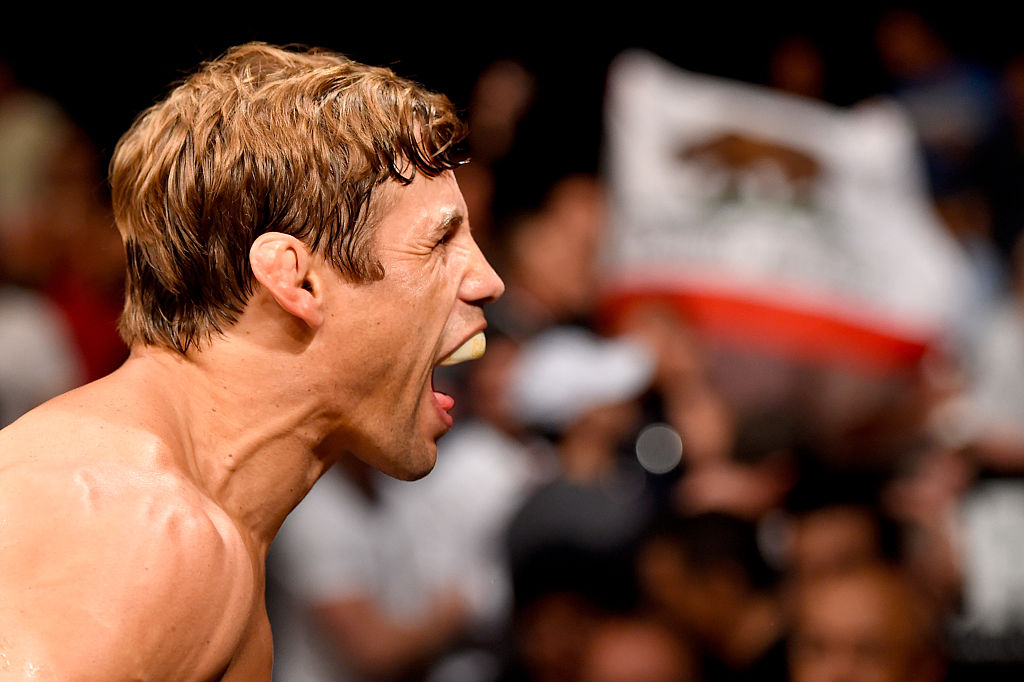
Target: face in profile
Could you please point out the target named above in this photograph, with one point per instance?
(398, 329)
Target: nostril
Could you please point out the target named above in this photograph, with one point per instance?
(500, 288)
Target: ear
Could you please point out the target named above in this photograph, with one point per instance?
(284, 266)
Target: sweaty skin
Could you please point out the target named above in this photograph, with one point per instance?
(136, 512)
(115, 562)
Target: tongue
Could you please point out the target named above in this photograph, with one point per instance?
(444, 401)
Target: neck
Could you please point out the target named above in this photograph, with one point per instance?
(239, 424)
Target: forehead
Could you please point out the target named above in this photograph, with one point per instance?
(423, 206)
(863, 604)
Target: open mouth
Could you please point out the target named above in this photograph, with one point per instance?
(443, 402)
(471, 349)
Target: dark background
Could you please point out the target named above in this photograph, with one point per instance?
(104, 67)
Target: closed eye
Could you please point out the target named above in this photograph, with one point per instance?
(449, 227)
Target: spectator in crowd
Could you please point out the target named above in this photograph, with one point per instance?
(549, 258)
(836, 520)
(962, 514)
(87, 276)
(963, 499)
(570, 540)
(797, 66)
(33, 127)
(58, 245)
(752, 480)
(953, 101)
(501, 96)
(40, 357)
(986, 408)
(355, 594)
(688, 397)
(562, 594)
(583, 391)
(705, 575)
(635, 648)
(867, 623)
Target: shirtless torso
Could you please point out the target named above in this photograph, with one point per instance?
(116, 562)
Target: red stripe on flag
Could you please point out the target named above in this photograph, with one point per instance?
(774, 327)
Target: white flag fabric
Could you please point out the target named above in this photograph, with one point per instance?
(775, 220)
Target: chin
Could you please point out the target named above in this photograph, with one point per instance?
(411, 465)
(412, 473)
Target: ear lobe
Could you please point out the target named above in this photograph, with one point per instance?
(283, 265)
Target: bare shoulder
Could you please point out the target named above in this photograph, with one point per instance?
(114, 562)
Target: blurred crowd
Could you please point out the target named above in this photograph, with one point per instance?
(624, 499)
(61, 264)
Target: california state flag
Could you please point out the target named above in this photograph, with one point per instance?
(773, 221)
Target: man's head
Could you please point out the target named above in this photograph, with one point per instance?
(836, 522)
(300, 204)
(637, 649)
(701, 571)
(262, 139)
(868, 623)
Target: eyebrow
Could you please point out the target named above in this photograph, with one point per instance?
(451, 222)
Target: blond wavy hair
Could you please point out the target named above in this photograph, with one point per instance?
(263, 138)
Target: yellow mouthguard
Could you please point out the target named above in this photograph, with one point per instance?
(472, 349)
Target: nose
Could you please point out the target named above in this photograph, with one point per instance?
(482, 285)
